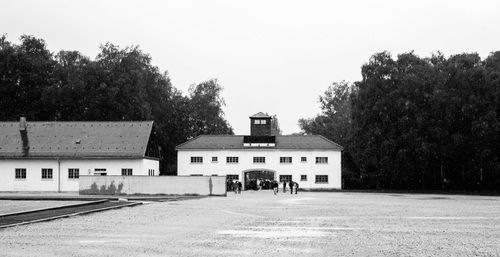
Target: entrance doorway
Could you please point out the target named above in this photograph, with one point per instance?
(265, 177)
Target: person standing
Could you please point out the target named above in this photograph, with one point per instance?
(275, 186)
(284, 186)
(296, 185)
(290, 184)
(235, 186)
(239, 187)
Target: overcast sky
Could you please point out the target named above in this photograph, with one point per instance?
(270, 56)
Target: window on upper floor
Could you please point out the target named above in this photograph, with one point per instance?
(321, 159)
(232, 159)
(259, 159)
(196, 159)
(303, 177)
(285, 159)
(260, 122)
(215, 159)
(303, 159)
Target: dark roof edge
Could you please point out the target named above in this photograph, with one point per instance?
(262, 148)
(77, 157)
(149, 137)
(330, 141)
(177, 147)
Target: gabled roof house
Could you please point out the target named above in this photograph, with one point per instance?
(50, 156)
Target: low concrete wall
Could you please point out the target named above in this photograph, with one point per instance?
(152, 185)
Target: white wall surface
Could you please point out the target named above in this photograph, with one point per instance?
(168, 185)
(148, 164)
(33, 181)
(60, 180)
(296, 168)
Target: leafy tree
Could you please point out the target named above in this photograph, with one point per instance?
(275, 126)
(120, 84)
(335, 123)
(206, 115)
(417, 123)
(26, 70)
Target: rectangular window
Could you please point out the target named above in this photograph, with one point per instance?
(232, 159)
(20, 173)
(100, 172)
(321, 179)
(126, 172)
(303, 159)
(321, 159)
(263, 121)
(151, 172)
(215, 159)
(285, 178)
(259, 159)
(46, 173)
(256, 122)
(303, 177)
(232, 177)
(285, 159)
(73, 173)
(196, 159)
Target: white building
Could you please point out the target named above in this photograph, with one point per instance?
(312, 161)
(50, 156)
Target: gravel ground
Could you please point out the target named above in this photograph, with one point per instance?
(259, 223)
(9, 206)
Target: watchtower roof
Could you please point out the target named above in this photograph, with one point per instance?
(260, 115)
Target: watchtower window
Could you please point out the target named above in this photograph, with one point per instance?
(260, 122)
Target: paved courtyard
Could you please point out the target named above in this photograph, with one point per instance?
(262, 224)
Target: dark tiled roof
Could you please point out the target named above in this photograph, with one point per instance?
(315, 142)
(260, 115)
(59, 139)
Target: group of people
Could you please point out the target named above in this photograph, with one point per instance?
(236, 185)
(259, 184)
(294, 186)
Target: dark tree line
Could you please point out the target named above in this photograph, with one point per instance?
(119, 84)
(417, 123)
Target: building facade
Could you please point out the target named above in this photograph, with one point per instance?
(310, 160)
(51, 156)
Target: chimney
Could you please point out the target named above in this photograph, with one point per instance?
(23, 128)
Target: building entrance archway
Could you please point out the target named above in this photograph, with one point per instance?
(251, 178)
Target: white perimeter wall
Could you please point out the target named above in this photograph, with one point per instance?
(168, 185)
(34, 181)
(296, 168)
